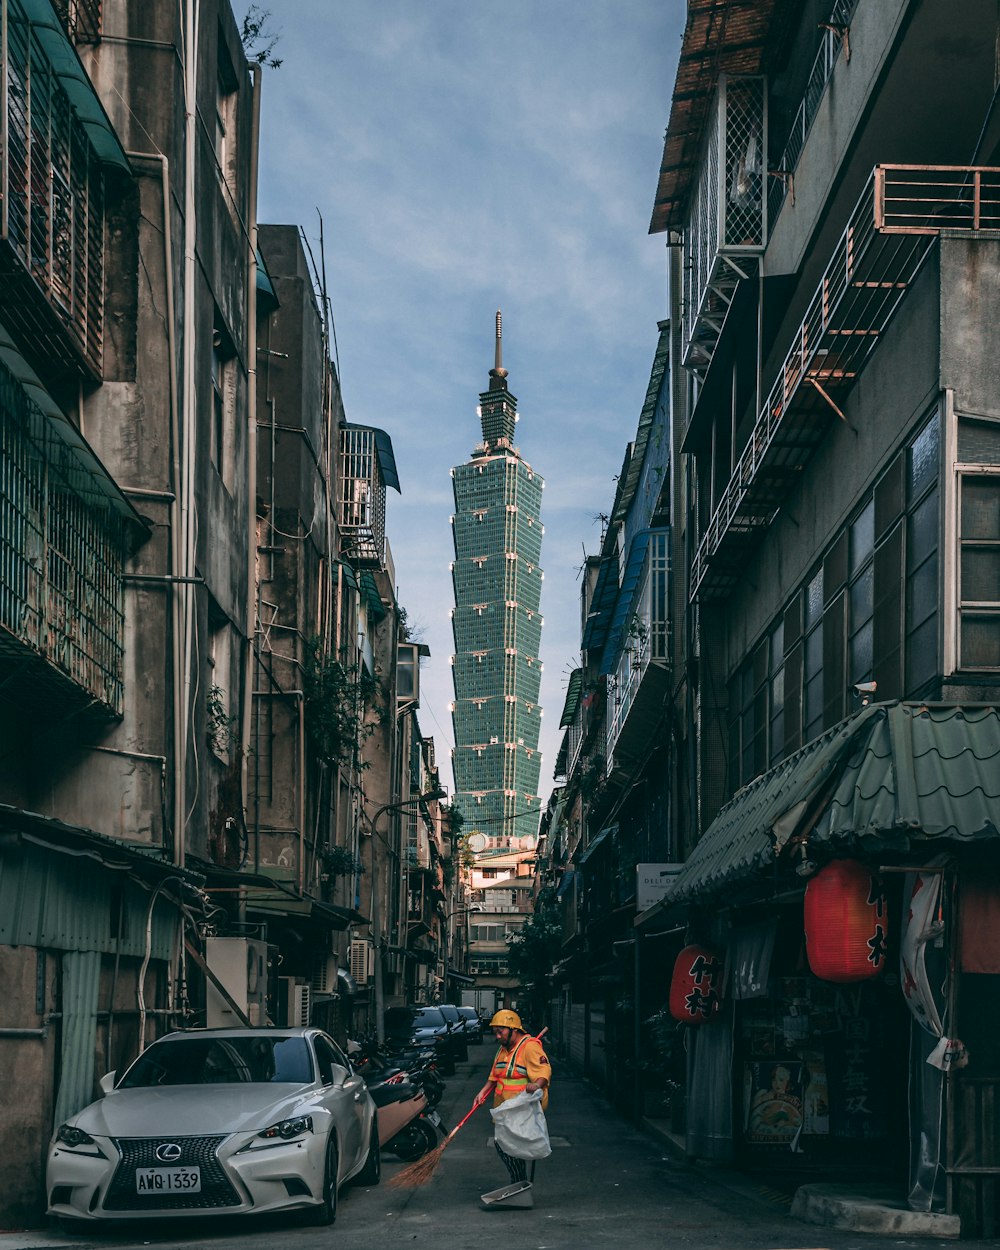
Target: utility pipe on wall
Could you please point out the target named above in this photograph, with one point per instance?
(252, 587)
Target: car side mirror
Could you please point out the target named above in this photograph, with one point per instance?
(107, 1082)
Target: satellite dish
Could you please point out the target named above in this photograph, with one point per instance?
(477, 843)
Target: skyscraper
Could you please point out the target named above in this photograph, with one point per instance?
(497, 627)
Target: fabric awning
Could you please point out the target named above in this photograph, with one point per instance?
(892, 776)
(88, 476)
(73, 79)
(600, 840)
(572, 701)
(460, 977)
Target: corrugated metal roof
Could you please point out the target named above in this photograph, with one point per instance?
(626, 493)
(720, 37)
(892, 776)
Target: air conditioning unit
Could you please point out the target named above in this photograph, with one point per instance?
(324, 977)
(362, 960)
(241, 966)
(295, 1001)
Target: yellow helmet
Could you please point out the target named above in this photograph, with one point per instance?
(506, 1020)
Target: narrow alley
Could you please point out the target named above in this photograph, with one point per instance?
(605, 1184)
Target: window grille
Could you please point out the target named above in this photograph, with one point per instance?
(61, 554)
(727, 224)
(361, 489)
(52, 192)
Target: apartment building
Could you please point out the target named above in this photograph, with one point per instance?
(829, 198)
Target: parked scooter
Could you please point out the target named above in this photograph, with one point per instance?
(406, 1124)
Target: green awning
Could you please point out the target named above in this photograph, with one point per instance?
(572, 698)
(601, 840)
(892, 777)
(73, 79)
(369, 591)
(90, 479)
(267, 296)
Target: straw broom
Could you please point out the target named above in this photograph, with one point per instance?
(419, 1173)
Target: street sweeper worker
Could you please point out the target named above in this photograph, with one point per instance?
(520, 1066)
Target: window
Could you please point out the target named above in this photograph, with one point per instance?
(223, 404)
(812, 666)
(226, 94)
(979, 570)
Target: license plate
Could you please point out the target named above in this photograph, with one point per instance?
(168, 1180)
(434, 1118)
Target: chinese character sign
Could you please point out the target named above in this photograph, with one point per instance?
(846, 923)
(695, 985)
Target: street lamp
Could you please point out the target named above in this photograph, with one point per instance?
(399, 806)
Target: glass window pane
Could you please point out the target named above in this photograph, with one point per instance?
(814, 653)
(921, 655)
(921, 593)
(980, 641)
(777, 646)
(922, 530)
(980, 507)
(862, 537)
(981, 575)
(862, 597)
(814, 600)
(923, 459)
(861, 654)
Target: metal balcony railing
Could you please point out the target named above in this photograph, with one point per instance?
(833, 39)
(51, 206)
(886, 240)
(62, 620)
(645, 638)
(367, 467)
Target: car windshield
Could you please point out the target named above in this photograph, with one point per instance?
(450, 1013)
(252, 1060)
(468, 1012)
(403, 1019)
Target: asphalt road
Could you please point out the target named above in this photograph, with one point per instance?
(605, 1184)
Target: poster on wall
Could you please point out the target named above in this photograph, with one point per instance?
(773, 1102)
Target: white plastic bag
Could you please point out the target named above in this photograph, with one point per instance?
(519, 1127)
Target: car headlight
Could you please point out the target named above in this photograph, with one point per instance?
(76, 1138)
(287, 1129)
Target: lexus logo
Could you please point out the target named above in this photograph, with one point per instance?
(168, 1152)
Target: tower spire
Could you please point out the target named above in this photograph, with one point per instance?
(498, 373)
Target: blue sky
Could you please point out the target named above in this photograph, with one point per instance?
(467, 157)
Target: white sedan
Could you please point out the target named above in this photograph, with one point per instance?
(219, 1121)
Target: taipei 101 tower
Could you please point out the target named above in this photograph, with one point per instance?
(497, 627)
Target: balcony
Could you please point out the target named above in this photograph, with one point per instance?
(637, 653)
(64, 534)
(835, 37)
(727, 224)
(367, 468)
(888, 236)
(58, 142)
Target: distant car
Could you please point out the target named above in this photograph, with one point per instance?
(473, 1025)
(456, 1022)
(218, 1121)
(424, 1026)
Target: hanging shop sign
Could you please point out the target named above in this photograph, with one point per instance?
(846, 923)
(695, 987)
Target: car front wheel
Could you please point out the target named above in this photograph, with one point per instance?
(326, 1212)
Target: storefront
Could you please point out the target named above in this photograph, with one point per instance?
(884, 832)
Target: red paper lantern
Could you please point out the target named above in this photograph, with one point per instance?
(695, 985)
(846, 922)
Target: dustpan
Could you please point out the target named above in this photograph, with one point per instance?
(517, 1195)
